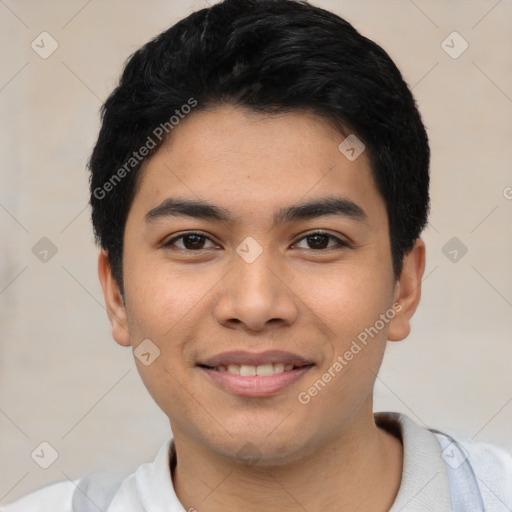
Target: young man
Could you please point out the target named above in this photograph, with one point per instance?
(259, 187)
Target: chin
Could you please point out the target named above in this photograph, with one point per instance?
(255, 449)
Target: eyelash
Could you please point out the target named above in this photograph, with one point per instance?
(339, 243)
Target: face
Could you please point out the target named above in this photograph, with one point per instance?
(257, 262)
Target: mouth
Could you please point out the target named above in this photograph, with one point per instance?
(255, 374)
(261, 370)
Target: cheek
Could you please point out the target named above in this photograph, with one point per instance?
(350, 301)
(160, 299)
(349, 298)
(162, 306)
(166, 306)
(351, 307)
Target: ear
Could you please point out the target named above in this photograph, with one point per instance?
(116, 309)
(408, 291)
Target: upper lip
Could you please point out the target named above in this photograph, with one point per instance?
(242, 357)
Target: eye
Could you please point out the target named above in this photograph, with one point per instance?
(320, 240)
(191, 242)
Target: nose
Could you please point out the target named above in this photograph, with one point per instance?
(255, 296)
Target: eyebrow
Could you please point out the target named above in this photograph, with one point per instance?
(198, 209)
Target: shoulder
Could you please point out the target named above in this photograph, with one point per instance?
(57, 497)
(488, 456)
(90, 493)
(477, 469)
(147, 488)
(474, 475)
(492, 467)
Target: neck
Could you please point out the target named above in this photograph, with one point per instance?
(336, 475)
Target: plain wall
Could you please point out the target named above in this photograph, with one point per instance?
(65, 381)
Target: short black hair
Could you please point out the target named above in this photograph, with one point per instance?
(269, 56)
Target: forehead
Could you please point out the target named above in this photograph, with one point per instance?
(253, 163)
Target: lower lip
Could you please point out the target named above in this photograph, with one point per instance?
(256, 386)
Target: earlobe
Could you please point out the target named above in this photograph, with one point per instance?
(408, 291)
(113, 301)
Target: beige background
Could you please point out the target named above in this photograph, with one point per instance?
(64, 381)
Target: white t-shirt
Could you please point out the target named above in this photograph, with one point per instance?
(440, 474)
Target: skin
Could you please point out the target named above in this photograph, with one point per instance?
(313, 302)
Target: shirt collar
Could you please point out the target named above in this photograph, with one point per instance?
(424, 484)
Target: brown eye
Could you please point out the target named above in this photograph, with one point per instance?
(191, 242)
(319, 241)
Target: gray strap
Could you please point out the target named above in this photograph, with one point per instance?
(95, 492)
(464, 489)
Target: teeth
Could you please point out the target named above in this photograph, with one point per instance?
(278, 368)
(234, 368)
(247, 371)
(264, 370)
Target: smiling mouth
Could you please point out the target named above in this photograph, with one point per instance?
(251, 374)
(262, 370)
